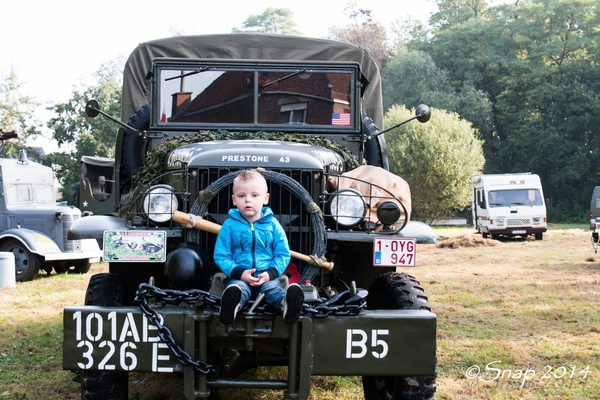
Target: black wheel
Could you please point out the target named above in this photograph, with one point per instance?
(27, 264)
(73, 267)
(132, 146)
(397, 291)
(539, 236)
(485, 235)
(108, 290)
(495, 236)
(373, 148)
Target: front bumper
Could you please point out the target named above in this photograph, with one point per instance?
(375, 342)
(516, 231)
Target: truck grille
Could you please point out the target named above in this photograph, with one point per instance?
(518, 222)
(69, 245)
(287, 207)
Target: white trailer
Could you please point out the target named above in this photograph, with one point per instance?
(509, 205)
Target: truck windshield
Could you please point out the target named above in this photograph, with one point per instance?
(28, 193)
(253, 95)
(519, 197)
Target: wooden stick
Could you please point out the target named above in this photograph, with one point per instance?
(194, 221)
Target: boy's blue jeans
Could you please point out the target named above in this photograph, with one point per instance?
(273, 291)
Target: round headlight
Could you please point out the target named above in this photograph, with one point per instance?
(160, 203)
(388, 212)
(347, 207)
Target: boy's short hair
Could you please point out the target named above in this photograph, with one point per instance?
(249, 175)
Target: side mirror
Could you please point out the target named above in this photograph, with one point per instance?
(92, 109)
(423, 113)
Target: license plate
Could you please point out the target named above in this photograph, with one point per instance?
(127, 246)
(393, 252)
(519, 231)
(103, 339)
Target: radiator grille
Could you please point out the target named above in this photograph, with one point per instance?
(69, 245)
(518, 222)
(287, 207)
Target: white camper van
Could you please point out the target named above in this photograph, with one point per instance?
(509, 205)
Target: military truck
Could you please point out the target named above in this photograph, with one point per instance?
(33, 227)
(305, 112)
(93, 194)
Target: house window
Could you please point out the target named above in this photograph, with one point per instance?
(293, 114)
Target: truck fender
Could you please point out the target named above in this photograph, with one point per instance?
(35, 241)
(93, 227)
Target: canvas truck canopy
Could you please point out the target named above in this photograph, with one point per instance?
(247, 46)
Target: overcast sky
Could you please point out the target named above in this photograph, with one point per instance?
(54, 46)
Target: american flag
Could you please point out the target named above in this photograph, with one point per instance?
(163, 115)
(340, 119)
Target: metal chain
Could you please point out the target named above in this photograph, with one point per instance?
(146, 292)
(342, 304)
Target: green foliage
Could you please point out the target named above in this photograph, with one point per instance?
(364, 32)
(456, 12)
(537, 60)
(17, 113)
(412, 78)
(437, 159)
(273, 20)
(77, 134)
(154, 161)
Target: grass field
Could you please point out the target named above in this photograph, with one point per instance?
(517, 319)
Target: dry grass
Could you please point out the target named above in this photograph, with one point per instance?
(528, 308)
(522, 306)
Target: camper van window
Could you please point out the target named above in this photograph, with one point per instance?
(519, 197)
(481, 199)
(597, 203)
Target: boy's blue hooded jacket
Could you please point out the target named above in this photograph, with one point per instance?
(262, 245)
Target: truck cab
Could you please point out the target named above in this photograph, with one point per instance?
(33, 227)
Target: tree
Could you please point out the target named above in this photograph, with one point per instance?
(273, 20)
(437, 159)
(412, 78)
(18, 113)
(80, 135)
(455, 12)
(364, 32)
(538, 62)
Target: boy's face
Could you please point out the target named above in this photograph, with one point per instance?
(249, 197)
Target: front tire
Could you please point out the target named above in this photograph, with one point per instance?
(132, 147)
(397, 291)
(27, 264)
(107, 290)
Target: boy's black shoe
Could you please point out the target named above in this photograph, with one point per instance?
(230, 304)
(294, 298)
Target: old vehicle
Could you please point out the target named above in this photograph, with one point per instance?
(33, 227)
(595, 217)
(509, 205)
(304, 112)
(93, 194)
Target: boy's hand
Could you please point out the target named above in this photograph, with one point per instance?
(249, 278)
(263, 278)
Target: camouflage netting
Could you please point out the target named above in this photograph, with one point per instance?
(154, 161)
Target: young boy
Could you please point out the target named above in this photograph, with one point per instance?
(252, 251)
